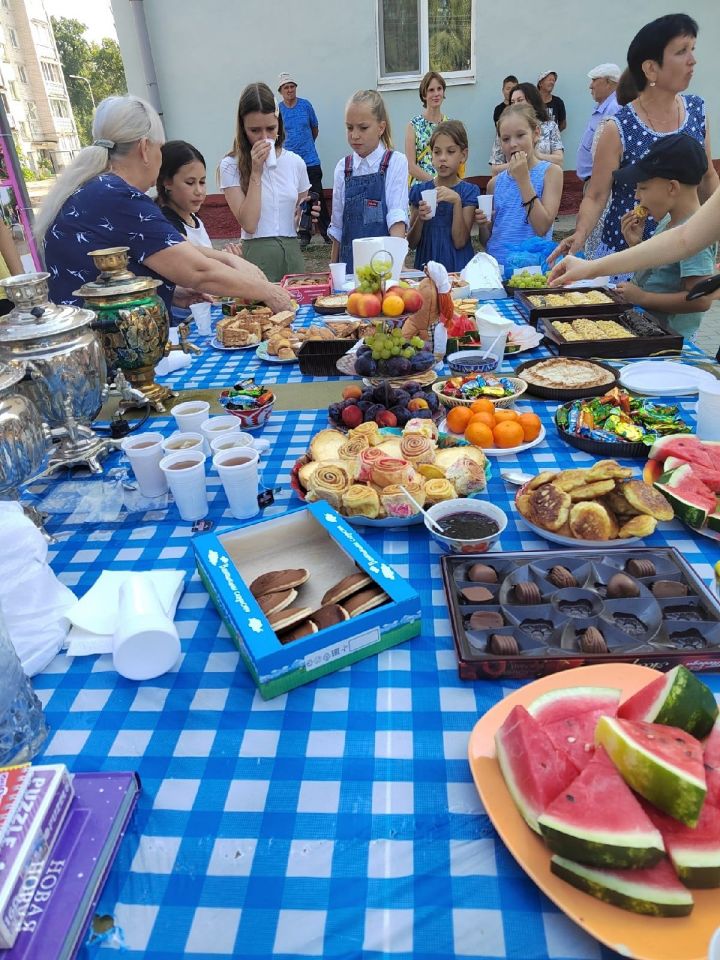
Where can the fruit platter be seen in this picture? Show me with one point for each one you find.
(464, 391)
(687, 472)
(497, 432)
(361, 473)
(662, 911)
(617, 424)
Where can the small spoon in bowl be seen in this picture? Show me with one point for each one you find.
(516, 476)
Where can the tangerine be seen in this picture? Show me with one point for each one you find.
(479, 434)
(531, 424)
(501, 415)
(508, 433)
(392, 305)
(458, 418)
(483, 417)
(482, 405)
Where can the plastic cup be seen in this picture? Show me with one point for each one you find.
(238, 471)
(231, 441)
(145, 451)
(185, 472)
(190, 414)
(146, 642)
(708, 411)
(183, 441)
(430, 197)
(338, 272)
(485, 203)
(215, 427)
(271, 159)
(714, 947)
(202, 317)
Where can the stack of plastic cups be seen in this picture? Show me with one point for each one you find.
(145, 451)
(202, 317)
(146, 642)
(185, 472)
(338, 274)
(238, 469)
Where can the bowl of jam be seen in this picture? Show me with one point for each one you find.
(468, 525)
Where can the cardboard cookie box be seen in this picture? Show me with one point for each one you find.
(317, 538)
(305, 287)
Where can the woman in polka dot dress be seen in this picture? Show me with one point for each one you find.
(661, 59)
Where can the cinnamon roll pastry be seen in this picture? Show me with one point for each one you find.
(397, 504)
(353, 447)
(389, 470)
(416, 448)
(420, 425)
(438, 490)
(329, 483)
(361, 500)
(366, 461)
(370, 430)
(466, 476)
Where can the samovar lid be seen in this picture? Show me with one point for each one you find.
(114, 281)
(33, 315)
(11, 373)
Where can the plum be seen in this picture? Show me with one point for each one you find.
(398, 366)
(365, 366)
(364, 404)
(401, 397)
(432, 400)
(402, 414)
(412, 386)
(335, 412)
(422, 361)
(424, 414)
(372, 411)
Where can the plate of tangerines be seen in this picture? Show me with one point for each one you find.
(499, 433)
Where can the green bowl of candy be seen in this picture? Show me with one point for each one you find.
(251, 403)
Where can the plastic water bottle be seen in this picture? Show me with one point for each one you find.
(22, 725)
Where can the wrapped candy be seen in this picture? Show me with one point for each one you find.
(618, 417)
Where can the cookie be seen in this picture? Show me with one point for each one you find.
(282, 619)
(364, 600)
(329, 615)
(272, 602)
(561, 577)
(527, 592)
(346, 587)
(303, 629)
(276, 580)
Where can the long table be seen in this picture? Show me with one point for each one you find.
(338, 820)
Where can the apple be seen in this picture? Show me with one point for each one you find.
(364, 304)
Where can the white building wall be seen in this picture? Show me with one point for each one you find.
(205, 54)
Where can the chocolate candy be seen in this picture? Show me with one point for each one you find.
(482, 573)
(593, 641)
(640, 567)
(561, 577)
(477, 594)
(668, 588)
(503, 645)
(527, 592)
(486, 620)
(620, 585)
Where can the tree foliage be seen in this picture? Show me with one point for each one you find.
(99, 63)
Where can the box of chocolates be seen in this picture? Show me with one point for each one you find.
(528, 614)
(302, 594)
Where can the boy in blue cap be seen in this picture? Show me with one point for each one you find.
(666, 181)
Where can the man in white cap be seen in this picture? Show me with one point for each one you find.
(301, 130)
(603, 83)
(554, 105)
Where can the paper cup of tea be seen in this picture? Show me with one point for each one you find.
(185, 472)
(338, 272)
(430, 197)
(215, 427)
(145, 451)
(190, 414)
(485, 203)
(146, 642)
(238, 469)
(202, 316)
(183, 441)
(271, 159)
(231, 441)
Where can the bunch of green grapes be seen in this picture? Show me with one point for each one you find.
(368, 280)
(391, 343)
(524, 279)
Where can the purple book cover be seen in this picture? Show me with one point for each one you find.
(76, 869)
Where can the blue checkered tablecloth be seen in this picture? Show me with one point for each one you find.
(338, 820)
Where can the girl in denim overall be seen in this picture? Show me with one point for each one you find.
(362, 200)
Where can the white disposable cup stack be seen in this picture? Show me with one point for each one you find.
(195, 441)
(187, 484)
(338, 274)
(240, 480)
(231, 441)
(485, 203)
(708, 411)
(190, 414)
(146, 642)
(202, 316)
(271, 159)
(430, 197)
(144, 451)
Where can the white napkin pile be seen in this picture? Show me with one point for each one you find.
(93, 618)
(176, 360)
(482, 273)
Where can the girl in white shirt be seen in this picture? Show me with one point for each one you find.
(264, 196)
(370, 188)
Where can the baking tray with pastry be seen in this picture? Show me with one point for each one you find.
(566, 378)
(568, 301)
(525, 614)
(627, 334)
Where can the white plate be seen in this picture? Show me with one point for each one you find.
(262, 354)
(499, 451)
(572, 542)
(216, 345)
(526, 337)
(663, 378)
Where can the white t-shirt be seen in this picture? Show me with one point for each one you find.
(280, 188)
(198, 235)
(396, 187)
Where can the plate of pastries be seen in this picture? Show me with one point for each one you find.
(249, 327)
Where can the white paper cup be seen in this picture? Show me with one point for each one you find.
(708, 411)
(146, 642)
(271, 159)
(485, 203)
(215, 427)
(202, 317)
(430, 197)
(185, 472)
(190, 414)
(145, 451)
(338, 272)
(231, 441)
(714, 947)
(238, 471)
(495, 343)
(183, 441)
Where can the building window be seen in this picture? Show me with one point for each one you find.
(60, 108)
(21, 73)
(24, 130)
(3, 51)
(14, 91)
(13, 37)
(415, 36)
(50, 71)
(42, 33)
(31, 108)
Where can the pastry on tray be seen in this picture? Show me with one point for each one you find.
(565, 373)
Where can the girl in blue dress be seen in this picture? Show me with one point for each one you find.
(444, 237)
(526, 196)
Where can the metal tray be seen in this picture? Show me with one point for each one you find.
(533, 313)
(635, 346)
(573, 393)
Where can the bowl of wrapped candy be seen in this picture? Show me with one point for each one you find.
(464, 391)
(250, 402)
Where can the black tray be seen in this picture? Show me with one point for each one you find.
(635, 346)
(574, 393)
(532, 313)
(671, 634)
(318, 358)
(603, 448)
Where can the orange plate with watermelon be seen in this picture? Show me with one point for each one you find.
(630, 934)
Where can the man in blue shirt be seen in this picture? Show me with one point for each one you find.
(603, 81)
(301, 130)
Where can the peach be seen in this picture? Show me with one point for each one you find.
(351, 392)
(364, 304)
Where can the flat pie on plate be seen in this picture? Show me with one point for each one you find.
(567, 373)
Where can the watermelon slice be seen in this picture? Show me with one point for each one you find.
(597, 820)
(576, 736)
(663, 764)
(677, 699)
(684, 446)
(569, 718)
(655, 890)
(535, 771)
(693, 851)
(711, 759)
(691, 500)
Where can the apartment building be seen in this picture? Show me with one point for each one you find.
(32, 86)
